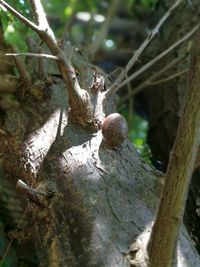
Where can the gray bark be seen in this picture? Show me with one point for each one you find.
(95, 204)
(96, 201)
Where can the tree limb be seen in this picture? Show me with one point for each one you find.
(163, 242)
(161, 55)
(169, 78)
(41, 67)
(115, 86)
(147, 82)
(21, 68)
(77, 96)
(41, 55)
(150, 81)
(41, 19)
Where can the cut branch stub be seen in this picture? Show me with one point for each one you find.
(40, 195)
(29, 192)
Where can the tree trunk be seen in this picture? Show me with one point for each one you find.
(94, 201)
(91, 204)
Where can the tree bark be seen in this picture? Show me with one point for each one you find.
(95, 205)
(179, 172)
(96, 201)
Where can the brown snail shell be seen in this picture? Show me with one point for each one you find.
(114, 129)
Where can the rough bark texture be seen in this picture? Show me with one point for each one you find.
(94, 202)
(179, 172)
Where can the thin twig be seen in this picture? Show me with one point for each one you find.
(161, 55)
(21, 68)
(147, 82)
(41, 67)
(32, 55)
(171, 77)
(64, 35)
(94, 47)
(138, 52)
(11, 240)
(19, 15)
(66, 30)
(130, 106)
(6, 252)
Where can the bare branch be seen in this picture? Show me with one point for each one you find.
(67, 71)
(77, 96)
(115, 86)
(148, 82)
(64, 35)
(41, 67)
(130, 106)
(94, 47)
(19, 15)
(6, 251)
(171, 77)
(41, 19)
(66, 30)
(32, 55)
(12, 239)
(21, 68)
(161, 55)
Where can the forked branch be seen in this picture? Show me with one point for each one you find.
(152, 62)
(161, 55)
(149, 81)
(76, 94)
(115, 86)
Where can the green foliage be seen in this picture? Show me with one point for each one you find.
(138, 127)
(148, 3)
(64, 9)
(15, 30)
(59, 12)
(138, 131)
